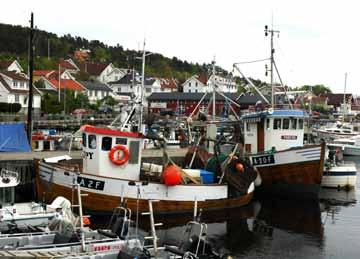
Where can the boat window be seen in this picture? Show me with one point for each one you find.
(267, 123)
(277, 123)
(286, 123)
(84, 139)
(121, 141)
(293, 124)
(106, 143)
(346, 131)
(337, 131)
(92, 141)
(301, 123)
(134, 150)
(247, 126)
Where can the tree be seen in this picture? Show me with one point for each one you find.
(101, 54)
(316, 89)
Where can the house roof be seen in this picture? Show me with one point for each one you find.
(4, 64)
(170, 83)
(93, 68)
(126, 80)
(336, 99)
(15, 76)
(202, 78)
(68, 84)
(178, 96)
(18, 91)
(95, 85)
(67, 65)
(250, 99)
(42, 72)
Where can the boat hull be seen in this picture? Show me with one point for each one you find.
(341, 177)
(295, 173)
(58, 183)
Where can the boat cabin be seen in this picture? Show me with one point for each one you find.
(273, 129)
(111, 153)
(8, 181)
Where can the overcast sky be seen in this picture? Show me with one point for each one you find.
(318, 42)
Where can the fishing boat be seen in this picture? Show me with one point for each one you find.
(273, 141)
(349, 146)
(110, 173)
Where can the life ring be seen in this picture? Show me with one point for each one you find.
(125, 155)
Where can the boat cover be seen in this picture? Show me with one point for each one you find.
(13, 138)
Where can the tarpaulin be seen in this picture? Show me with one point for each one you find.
(13, 138)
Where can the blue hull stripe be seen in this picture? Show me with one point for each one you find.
(339, 173)
(307, 151)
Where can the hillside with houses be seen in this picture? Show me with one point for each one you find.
(74, 73)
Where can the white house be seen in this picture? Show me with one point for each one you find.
(222, 84)
(128, 84)
(14, 88)
(102, 72)
(196, 84)
(8, 65)
(96, 90)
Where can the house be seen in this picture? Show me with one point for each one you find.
(96, 90)
(69, 65)
(151, 85)
(185, 103)
(335, 101)
(11, 65)
(128, 84)
(168, 85)
(196, 84)
(249, 101)
(102, 72)
(14, 88)
(51, 82)
(223, 84)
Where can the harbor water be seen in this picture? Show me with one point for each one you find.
(273, 228)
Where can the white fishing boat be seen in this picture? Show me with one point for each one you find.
(349, 146)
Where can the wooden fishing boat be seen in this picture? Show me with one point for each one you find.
(273, 140)
(111, 174)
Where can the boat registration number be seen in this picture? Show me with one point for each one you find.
(263, 160)
(91, 183)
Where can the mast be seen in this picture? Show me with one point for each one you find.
(142, 87)
(213, 83)
(272, 51)
(31, 68)
(344, 105)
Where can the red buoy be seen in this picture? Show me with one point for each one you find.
(239, 167)
(172, 175)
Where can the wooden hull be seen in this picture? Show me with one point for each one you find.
(294, 172)
(58, 184)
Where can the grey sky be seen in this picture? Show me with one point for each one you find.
(318, 41)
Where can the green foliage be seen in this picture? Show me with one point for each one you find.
(318, 107)
(10, 107)
(82, 76)
(316, 89)
(109, 100)
(101, 54)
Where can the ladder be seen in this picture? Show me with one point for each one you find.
(76, 187)
(153, 235)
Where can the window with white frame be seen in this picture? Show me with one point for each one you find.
(17, 98)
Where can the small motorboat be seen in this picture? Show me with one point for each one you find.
(338, 173)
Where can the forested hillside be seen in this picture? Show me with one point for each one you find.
(14, 44)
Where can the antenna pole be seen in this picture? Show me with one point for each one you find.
(31, 68)
(272, 51)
